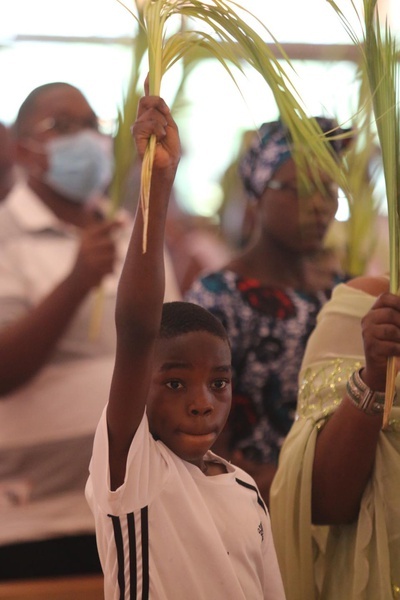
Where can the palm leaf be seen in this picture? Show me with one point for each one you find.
(381, 57)
(361, 237)
(233, 42)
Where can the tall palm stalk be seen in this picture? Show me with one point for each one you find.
(380, 58)
(382, 67)
(361, 173)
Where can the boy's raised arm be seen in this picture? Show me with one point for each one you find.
(141, 288)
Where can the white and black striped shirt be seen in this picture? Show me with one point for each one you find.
(172, 533)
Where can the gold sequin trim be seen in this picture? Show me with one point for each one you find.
(323, 387)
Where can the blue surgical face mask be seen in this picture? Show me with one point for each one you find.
(80, 164)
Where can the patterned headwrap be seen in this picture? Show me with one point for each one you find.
(271, 147)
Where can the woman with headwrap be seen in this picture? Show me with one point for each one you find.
(268, 299)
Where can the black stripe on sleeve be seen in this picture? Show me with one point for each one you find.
(252, 487)
(132, 556)
(145, 553)
(120, 555)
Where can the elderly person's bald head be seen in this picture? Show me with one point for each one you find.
(7, 157)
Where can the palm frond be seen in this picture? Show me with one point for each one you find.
(382, 61)
(380, 58)
(233, 42)
(361, 175)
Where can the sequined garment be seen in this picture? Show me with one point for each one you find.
(357, 561)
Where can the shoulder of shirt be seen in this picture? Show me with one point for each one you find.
(232, 468)
(370, 285)
(26, 213)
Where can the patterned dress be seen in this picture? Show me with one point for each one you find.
(268, 328)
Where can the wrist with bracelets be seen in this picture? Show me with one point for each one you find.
(365, 399)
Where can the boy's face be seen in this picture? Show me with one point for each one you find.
(190, 395)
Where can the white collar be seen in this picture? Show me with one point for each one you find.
(30, 212)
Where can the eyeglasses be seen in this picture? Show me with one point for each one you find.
(328, 190)
(66, 125)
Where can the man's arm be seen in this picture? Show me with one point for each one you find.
(141, 288)
(27, 343)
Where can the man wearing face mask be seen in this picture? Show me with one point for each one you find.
(56, 248)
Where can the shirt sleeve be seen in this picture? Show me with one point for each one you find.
(146, 471)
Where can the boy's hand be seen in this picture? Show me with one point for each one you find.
(154, 118)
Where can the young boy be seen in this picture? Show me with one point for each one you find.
(173, 520)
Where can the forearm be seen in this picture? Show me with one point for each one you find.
(25, 345)
(138, 316)
(344, 458)
(142, 283)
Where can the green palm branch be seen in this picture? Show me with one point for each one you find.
(233, 42)
(380, 60)
(364, 204)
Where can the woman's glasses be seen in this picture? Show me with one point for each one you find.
(328, 190)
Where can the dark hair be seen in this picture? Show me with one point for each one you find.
(185, 317)
(28, 106)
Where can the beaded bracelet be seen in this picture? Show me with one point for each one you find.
(365, 399)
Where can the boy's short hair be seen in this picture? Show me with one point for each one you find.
(180, 317)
